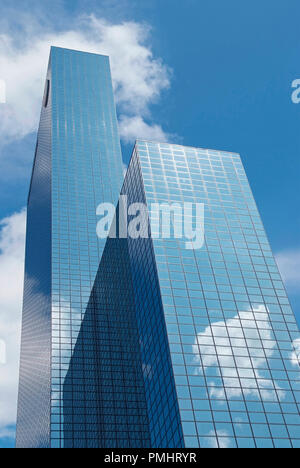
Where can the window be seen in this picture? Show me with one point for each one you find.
(47, 90)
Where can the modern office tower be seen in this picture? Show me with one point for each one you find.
(77, 166)
(221, 310)
(218, 340)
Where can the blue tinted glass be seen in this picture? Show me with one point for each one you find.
(78, 165)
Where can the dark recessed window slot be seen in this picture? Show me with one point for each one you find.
(47, 93)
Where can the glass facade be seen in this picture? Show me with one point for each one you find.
(232, 336)
(78, 165)
(33, 421)
(104, 396)
(162, 404)
(130, 343)
(211, 329)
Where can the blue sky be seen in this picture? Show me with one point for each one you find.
(229, 67)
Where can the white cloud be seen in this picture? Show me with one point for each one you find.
(12, 247)
(138, 77)
(135, 127)
(289, 266)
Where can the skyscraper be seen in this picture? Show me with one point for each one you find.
(152, 339)
(221, 311)
(77, 166)
(191, 347)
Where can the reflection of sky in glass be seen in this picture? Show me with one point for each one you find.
(160, 391)
(86, 171)
(233, 337)
(33, 419)
(236, 366)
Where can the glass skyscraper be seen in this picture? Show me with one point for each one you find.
(77, 166)
(143, 342)
(220, 343)
(191, 348)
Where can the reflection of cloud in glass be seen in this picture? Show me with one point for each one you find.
(68, 341)
(223, 440)
(295, 354)
(34, 377)
(239, 370)
(147, 371)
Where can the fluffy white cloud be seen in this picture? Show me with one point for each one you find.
(138, 77)
(289, 265)
(12, 247)
(135, 127)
